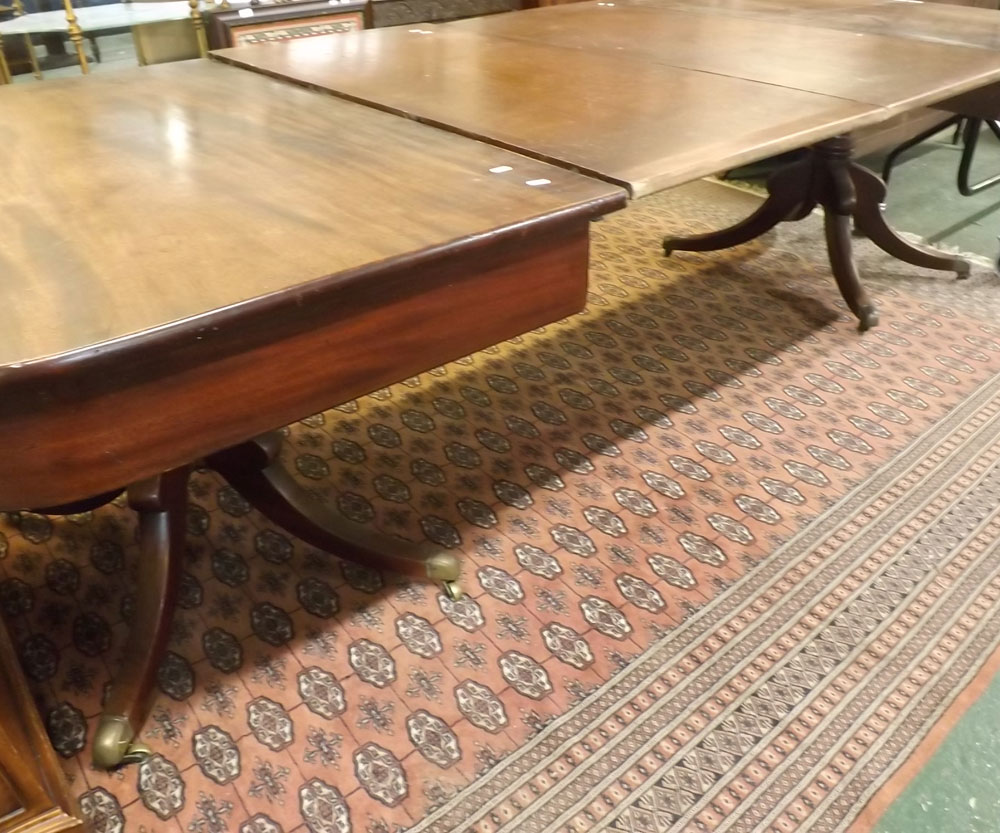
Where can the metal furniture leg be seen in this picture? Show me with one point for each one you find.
(896, 152)
(973, 127)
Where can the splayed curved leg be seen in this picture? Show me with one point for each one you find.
(871, 222)
(253, 469)
(839, 203)
(161, 503)
(838, 241)
(920, 138)
(788, 199)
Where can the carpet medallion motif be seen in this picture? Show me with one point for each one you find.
(727, 562)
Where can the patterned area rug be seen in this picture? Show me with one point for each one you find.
(728, 563)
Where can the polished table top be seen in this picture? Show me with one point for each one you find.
(638, 93)
(882, 69)
(142, 200)
(931, 22)
(194, 256)
(787, 9)
(645, 125)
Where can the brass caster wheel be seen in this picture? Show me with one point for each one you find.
(136, 754)
(113, 744)
(452, 590)
(443, 566)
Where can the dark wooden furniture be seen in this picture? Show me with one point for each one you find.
(282, 21)
(166, 306)
(650, 93)
(896, 72)
(127, 357)
(403, 12)
(846, 191)
(34, 797)
(642, 124)
(931, 19)
(933, 22)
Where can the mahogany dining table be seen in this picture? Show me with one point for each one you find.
(195, 254)
(182, 278)
(649, 94)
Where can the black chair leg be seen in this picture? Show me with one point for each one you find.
(890, 160)
(973, 127)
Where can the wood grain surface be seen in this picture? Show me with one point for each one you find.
(866, 63)
(139, 200)
(634, 122)
(195, 255)
(786, 9)
(933, 22)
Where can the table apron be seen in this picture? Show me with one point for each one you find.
(87, 430)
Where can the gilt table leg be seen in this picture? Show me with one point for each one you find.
(4, 68)
(253, 469)
(161, 504)
(870, 221)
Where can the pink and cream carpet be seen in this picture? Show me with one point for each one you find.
(728, 562)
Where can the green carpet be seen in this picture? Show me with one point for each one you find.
(957, 789)
(923, 198)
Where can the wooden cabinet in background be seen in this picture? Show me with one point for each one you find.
(33, 794)
(275, 20)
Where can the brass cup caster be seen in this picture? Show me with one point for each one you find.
(445, 568)
(114, 746)
(452, 590)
